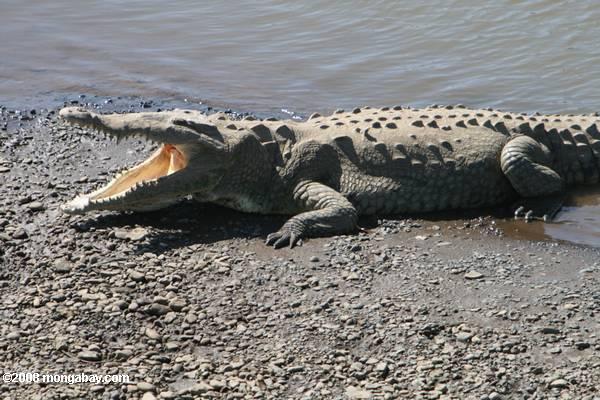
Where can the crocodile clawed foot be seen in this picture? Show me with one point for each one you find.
(528, 215)
(282, 238)
(539, 209)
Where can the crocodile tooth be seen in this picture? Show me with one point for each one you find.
(391, 125)
(376, 125)
(473, 121)
(447, 127)
(461, 124)
(418, 124)
(231, 126)
(249, 118)
(339, 111)
(314, 115)
(433, 124)
(397, 108)
(356, 110)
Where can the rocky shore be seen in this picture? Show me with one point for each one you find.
(189, 302)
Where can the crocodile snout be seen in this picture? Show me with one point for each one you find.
(75, 114)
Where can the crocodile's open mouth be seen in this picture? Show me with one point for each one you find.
(141, 187)
(165, 161)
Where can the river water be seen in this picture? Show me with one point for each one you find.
(306, 56)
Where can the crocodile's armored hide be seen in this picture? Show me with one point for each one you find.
(329, 169)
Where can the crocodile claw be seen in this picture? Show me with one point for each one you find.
(282, 238)
(528, 215)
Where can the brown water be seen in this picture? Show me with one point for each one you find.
(269, 55)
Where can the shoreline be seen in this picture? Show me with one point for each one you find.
(191, 303)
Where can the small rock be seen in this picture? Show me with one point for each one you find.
(14, 335)
(353, 276)
(145, 386)
(199, 388)
(464, 336)
(148, 396)
(20, 234)
(136, 276)
(295, 368)
(152, 334)
(473, 275)
(35, 206)
(355, 393)
(133, 235)
(177, 304)
(157, 309)
(559, 383)
(89, 355)
(217, 384)
(548, 330)
(582, 345)
(62, 266)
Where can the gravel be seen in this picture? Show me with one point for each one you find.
(190, 303)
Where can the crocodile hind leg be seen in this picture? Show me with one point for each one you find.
(328, 213)
(526, 163)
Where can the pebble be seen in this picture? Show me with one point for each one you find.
(145, 386)
(149, 396)
(136, 276)
(152, 334)
(89, 355)
(355, 393)
(35, 206)
(548, 330)
(135, 234)
(62, 266)
(473, 275)
(559, 383)
(158, 309)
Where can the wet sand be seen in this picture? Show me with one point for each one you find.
(190, 303)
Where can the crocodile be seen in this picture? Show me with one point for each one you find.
(329, 169)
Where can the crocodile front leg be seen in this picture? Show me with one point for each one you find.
(328, 213)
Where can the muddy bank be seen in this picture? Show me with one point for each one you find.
(189, 302)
